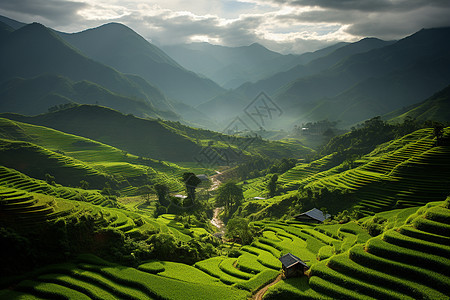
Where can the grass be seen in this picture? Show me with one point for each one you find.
(153, 267)
(259, 280)
(293, 288)
(50, 290)
(405, 262)
(211, 267)
(390, 281)
(264, 257)
(227, 266)
(167, 288)
(351, 283)
(89, 289)
(248, 262)
(186, 273)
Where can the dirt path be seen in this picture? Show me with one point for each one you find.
(215, 181)
(218, 222)
(260, 294)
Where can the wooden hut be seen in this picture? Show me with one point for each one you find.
(312, 216)
(292, 265)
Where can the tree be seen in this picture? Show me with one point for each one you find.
(228, 195)
(50, 179)
(162, 192)
(238, 230)
(272, 186)
(438, 130)
(84, 184)
(191, 182)
(146, 190)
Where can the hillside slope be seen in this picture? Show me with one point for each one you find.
(404, 172)
(50, 54)
(37, 151)
(409, 260)
(120, 47)
(436, 108)
(233, 102)
(156, 138)
(377, 81)
(38, 94)
(233, 66)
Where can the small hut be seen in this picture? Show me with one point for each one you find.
(312, 216)
(292, 265)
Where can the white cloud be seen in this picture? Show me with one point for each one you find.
(281, 25)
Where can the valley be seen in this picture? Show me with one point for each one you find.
(132, 171)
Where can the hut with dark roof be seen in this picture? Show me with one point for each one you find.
(292, 265)
(312, 216)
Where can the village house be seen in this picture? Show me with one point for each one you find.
(312, 216)
(292, 265)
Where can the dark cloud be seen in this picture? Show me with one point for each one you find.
(56, 11)
(394, 26)
(285, 26)
(367, 5)
(174, 29)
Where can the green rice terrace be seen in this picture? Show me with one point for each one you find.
(346, 263)
(405, 172)
(85, 220)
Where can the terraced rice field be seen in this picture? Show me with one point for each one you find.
(89, 158)
(406, 172)
(14, 179)
(101, 280)
(406, 262)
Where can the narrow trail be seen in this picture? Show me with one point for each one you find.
(215, 181)
(218, 222)
(260, 294)
(215, 221)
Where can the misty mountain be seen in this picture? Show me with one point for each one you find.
(35, 95)
(271, 84)
(233, 66)
(374, 82)
(233, 102)
(436, 108)
(34, 50)
(120, 47)
(11, 23)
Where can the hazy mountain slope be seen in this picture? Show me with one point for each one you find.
(12, 23)
(234, 102)
(5, 30)
(35, 95)
(406, 69)
(271, 84)
(149, 138)
(153, 138)
(38, 150)
(377, 96)
(34, 50)
(120, 47)
(436, 107)
(233, 66)
(225, 106)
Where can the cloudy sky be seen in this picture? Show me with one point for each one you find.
(287, 26)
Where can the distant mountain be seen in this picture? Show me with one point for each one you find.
(12, 23)
(36, 95)
(120, 47)
(233, 66)
(232, 103)
(5, 30)
(34, 50)
(374, 82)
(271, 84)
(154, 138)
(436, 108)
